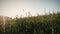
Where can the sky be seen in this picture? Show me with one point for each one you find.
(12, 8)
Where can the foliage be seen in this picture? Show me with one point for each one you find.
(46, 24)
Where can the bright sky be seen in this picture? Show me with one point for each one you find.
(12, 8)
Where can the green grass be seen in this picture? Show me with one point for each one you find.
(46, 24)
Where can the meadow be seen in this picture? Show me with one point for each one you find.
(45, 24)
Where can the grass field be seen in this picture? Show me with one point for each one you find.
(46, 24)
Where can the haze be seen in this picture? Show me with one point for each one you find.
(12, 8)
